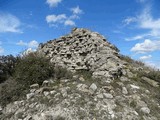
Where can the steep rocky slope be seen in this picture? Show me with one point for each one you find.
(115, 91)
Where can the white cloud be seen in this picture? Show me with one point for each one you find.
(145, 21)
(29, 50)
(145, 57)
(9, 23)
(69, 23)
(74, 16)
(55, 18)
(31, 44)
(1, 50)
(76, 10)
(53, 3)
(146, 46)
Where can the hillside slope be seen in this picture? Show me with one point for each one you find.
(105, 84)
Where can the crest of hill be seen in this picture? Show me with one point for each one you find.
(83, 49)
(127, 89)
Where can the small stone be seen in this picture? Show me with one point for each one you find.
(108, 96)
(82, 87)
(30, 95)
(1, 110)
(123, 79)
(93, 87)
(100, 96)
(145, 110)
(147, 91)
(64, 92)
(124, 90)
(32, 90)
(34, 86)
(28, 118)
(82, 79)
(57, 95)
(135, 87)
(52, 92)
(45, 83)
(46, 93)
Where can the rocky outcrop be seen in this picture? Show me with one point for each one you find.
(130, 96)
(83, 49)
(84, 100)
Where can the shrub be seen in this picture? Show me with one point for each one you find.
(85, 73)
(131, 61)
(29, 69)
(154, 75)
(7, 65)
(60, 72)
(33, 68)
(10, 91)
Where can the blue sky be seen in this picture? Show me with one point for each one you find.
(132, 25)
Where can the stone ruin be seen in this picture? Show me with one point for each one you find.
(83, 49)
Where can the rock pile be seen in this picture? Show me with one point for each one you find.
(83, 49)
(77, 100)
(129, 97)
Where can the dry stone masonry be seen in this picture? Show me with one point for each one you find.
(83, 49)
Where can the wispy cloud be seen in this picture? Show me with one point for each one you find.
(137, 37)
(31, 44)
(145, 21)
(9, 23)
(146, 57)
(129, 20)
(53, 3)
(146, 46)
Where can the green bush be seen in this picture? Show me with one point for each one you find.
(60, 72)
(33, 68)
(10, 91)
(85, 73)
(29, 69)
(154, 75)
(131, 61)
(7, 65)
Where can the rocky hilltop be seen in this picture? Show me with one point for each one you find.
(85, 50)
(115, 89)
